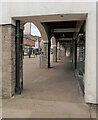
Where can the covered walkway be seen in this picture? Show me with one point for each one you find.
(57, 83)
(48, 93)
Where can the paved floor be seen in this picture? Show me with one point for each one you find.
(48, 93)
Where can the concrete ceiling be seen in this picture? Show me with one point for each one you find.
(65, 30)
(61, 21)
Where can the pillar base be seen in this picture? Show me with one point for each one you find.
(18, 91)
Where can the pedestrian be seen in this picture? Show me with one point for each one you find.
(36, 53)
(30, 52)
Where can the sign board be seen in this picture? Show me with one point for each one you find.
(36, 44)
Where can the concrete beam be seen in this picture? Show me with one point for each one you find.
(64, 39)
(78, 27)
(60, 30)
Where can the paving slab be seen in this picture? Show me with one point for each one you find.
(48, 93)
(40, 108)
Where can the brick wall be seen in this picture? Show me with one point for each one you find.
(8, 60)
(45, 54)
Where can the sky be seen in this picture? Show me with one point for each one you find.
(35, 31)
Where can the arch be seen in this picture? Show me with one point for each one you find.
(40, 28)
(33, 27)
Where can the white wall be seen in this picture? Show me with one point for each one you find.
(12, 9)
(97, 50)
(90, 68)
(51, 12)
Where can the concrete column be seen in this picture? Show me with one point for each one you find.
(74, 53)
(8, 60)
(54, 53)
(45, 54)
(54, 49)
(67, 51)
(71, 52)
(58, 50)
(62, 50)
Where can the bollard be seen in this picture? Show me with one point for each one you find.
(41, 60)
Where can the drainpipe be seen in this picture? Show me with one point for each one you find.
(18, 90)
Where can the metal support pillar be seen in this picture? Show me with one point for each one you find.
(18, 90)
(65, 51)
(60, 50)
(75, 53)
(56, 50)
(22, 59)
(72, 50)
(49, 46)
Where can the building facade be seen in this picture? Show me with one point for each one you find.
(12, 13)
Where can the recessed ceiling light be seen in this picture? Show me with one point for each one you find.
(63, 35)
(62, 16)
